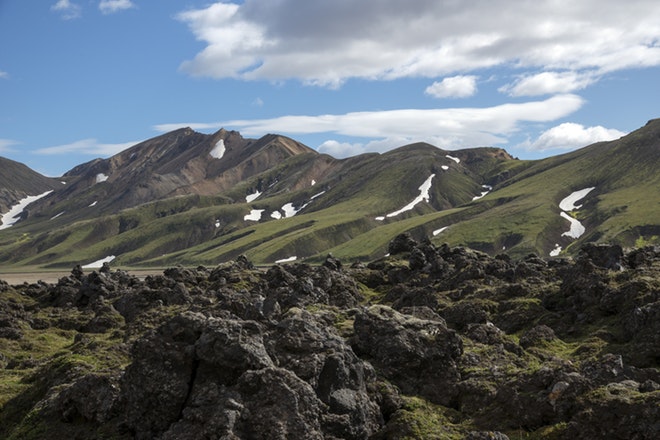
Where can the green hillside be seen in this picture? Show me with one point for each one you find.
(345, 211)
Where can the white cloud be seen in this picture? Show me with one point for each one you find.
(461, 86)
(340, 149)
(326, 43)
(4, 75)
(569, 136)
(194, 125)
(6, 144)
(447, 128)
(547, 83)
(67, 9)
(112, 6)
(86, 146)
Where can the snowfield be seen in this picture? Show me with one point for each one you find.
(423, 196)
(568, 203)
(556, 251)
(14, 214)
(57, 215)
(437, 231)
(488, 189)
(576, 230)
(99, 263)
(286, 260)
(252, 197)
(254, 215)
(455, 159)
(289, 210)
(219, 150)
(100, 177)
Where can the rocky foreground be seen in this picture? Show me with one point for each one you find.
(426, 343)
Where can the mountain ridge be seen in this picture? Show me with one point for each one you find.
(190, 197)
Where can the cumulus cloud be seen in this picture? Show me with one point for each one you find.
(461, 86)
(112, 6)
(340, 149)
(88, 146)
(67, 9)
(569, 136)
(446, 128)
(326, 43)
(547, 83)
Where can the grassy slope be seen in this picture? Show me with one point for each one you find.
(520, 216)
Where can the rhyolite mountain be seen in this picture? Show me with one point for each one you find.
(17, 181)
(191, 198)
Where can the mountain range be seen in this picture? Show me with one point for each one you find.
(190, 198)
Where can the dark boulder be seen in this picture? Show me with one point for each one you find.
(604, 255)
(401, 243)
(417, 355)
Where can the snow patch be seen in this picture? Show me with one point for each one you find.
(437, 231)
(555, 252)
(568, 203)
(423, 196)
(488, 189)
(254, 215)
(99, 263)
(286, 260)
(313, 182)
(576, 230)
(455, 159)
(14, 213)
(219, 150)
(444, 167)
(93, 203)
(57, 215)
(100, 177)
(217, 223)
(276, 215)
(289, 210)
(63, 182)
(252, 197)
(317, 195)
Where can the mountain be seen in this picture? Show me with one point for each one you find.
(179, 163)
(18, 181)
(623, 206)
(191, 198)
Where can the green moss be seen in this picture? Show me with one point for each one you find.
(551, 432)
(420, 419)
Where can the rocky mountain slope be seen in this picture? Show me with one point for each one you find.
(429, 342)
(17, 181)
(190, 198)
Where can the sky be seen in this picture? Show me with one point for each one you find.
(81, 79)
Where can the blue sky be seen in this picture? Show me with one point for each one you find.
(81, 79)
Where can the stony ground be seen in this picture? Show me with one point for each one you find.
(430, 342)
